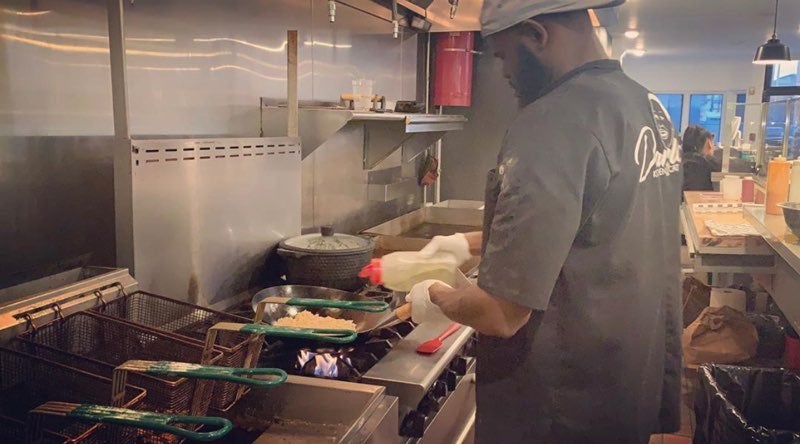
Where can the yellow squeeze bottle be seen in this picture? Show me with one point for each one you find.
(402, 270)
(778, 174)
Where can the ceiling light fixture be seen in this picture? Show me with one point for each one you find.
(773, 51)
(631, 34)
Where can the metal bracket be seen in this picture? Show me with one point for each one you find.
(99, 295)
(59, 313)
(30, 324)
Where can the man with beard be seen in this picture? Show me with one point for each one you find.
(577, 301)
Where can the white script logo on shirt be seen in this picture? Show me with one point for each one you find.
(657, 154)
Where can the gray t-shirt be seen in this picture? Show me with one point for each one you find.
(582, 227)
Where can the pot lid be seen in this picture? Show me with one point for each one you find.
(326, 241)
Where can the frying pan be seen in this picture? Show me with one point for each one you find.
(344, 307)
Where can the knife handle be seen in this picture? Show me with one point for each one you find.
(403, 312)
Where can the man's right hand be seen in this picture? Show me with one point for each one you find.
(458, 245)
(422, 308)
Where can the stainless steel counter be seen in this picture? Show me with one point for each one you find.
(776, 233)
(784, 285)
(712, 254)
(38, 302)
(309, 410)
(407, 374)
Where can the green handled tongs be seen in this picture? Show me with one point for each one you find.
(158, 422)
(317, 297)
(369, 306)
(318, 334)
(195, 371)
(209, 372)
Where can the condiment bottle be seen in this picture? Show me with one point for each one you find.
(402, 270)
(777, 184)
(731, 188)
(749, 190)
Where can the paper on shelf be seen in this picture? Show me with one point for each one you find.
(722, 230)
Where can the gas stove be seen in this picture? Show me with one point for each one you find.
(436, 392)
(348, 362)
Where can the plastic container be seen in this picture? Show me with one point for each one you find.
(402, 270)
(777, 184)
(362, 94)
(731, 188)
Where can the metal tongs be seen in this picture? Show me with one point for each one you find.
(369, 306)
(158, 422)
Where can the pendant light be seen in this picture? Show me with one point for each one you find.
(773, 51)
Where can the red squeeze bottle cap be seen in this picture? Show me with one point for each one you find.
(373, 271)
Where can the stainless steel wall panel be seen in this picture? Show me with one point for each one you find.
(195, 67)
(360, 46)
(468, 155)
(219, 59)
(56, 205)
(340, 185)
(206, 213)
(57, 72)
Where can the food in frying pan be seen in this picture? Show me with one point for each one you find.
(306, 319)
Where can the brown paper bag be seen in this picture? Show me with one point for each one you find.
(720, 335)
(696, 297)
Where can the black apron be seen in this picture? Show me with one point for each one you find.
(490, 203)
(584, 199)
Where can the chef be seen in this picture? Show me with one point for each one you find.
(577, 302)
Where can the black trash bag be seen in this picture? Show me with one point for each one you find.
(771, 335)
(740, 405)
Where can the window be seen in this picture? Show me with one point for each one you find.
(674, 105)
(741, 99)
(786, 74)
(794, 129)
(776, 123)
(706, 110)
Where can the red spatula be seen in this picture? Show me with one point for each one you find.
(432, 346)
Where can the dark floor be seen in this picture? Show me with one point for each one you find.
(684, 436)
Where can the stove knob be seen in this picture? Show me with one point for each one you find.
(451, 379)
(460, 365)
(414, 424)
(440, 389)
(430, 404)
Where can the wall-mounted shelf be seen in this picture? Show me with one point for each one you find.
(383, 132)
(388, 192)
